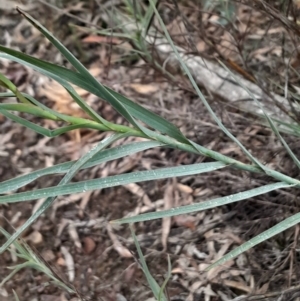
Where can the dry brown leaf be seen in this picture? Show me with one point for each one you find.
(235, 273)
(74, 235)
(258, 53)
(166, 222)
(177, 28)
(102, 39)
(208, 292)
(123, 251)
(144, 89)
(62, 225)
(84, 201)
(192, 251)
(263, 289)
(238, 285)
(69, 261)
(201, 192)
(3, 292)
(184, 188)
(63, 102)
(37, 205)
(138, 210)
(223, 250)
(203, 266)
(15, 218)
(129, 273)
(127, 165)
(186, 221)
(227, 46)
(177, 271)
(214, 272)
(195, 286)
(73, 198)
(138, 190)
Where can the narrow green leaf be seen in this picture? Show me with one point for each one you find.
(151, 281)
(63, 75)
(46, 132)
(16, 295)
(294, 129)
(146, 22)
(112, 181)
(204, 205)
(32, 100)
(28, 108)
(6, 83)
(201, 96)
(20, 249)
(70, 174)
(271, 123)
(161, 295)
(187, 145)
(78, 122)
(75, 63)
(114, 101)
(280, 227)
(103, 156)
(84, 106)
(23, 251)
(11, 274)
(26, 123)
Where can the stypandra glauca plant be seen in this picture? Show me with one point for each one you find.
(143, 123)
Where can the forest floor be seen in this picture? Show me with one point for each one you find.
(106, 266)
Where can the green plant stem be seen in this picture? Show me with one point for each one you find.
(78, 122)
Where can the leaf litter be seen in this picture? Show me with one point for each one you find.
(193, 242)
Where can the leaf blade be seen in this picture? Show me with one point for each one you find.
(280, 227)
(204, 205)
(51, 70)
(112, 181)
(104, 156)
(69, 175)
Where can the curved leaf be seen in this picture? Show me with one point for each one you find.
(63, 75)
